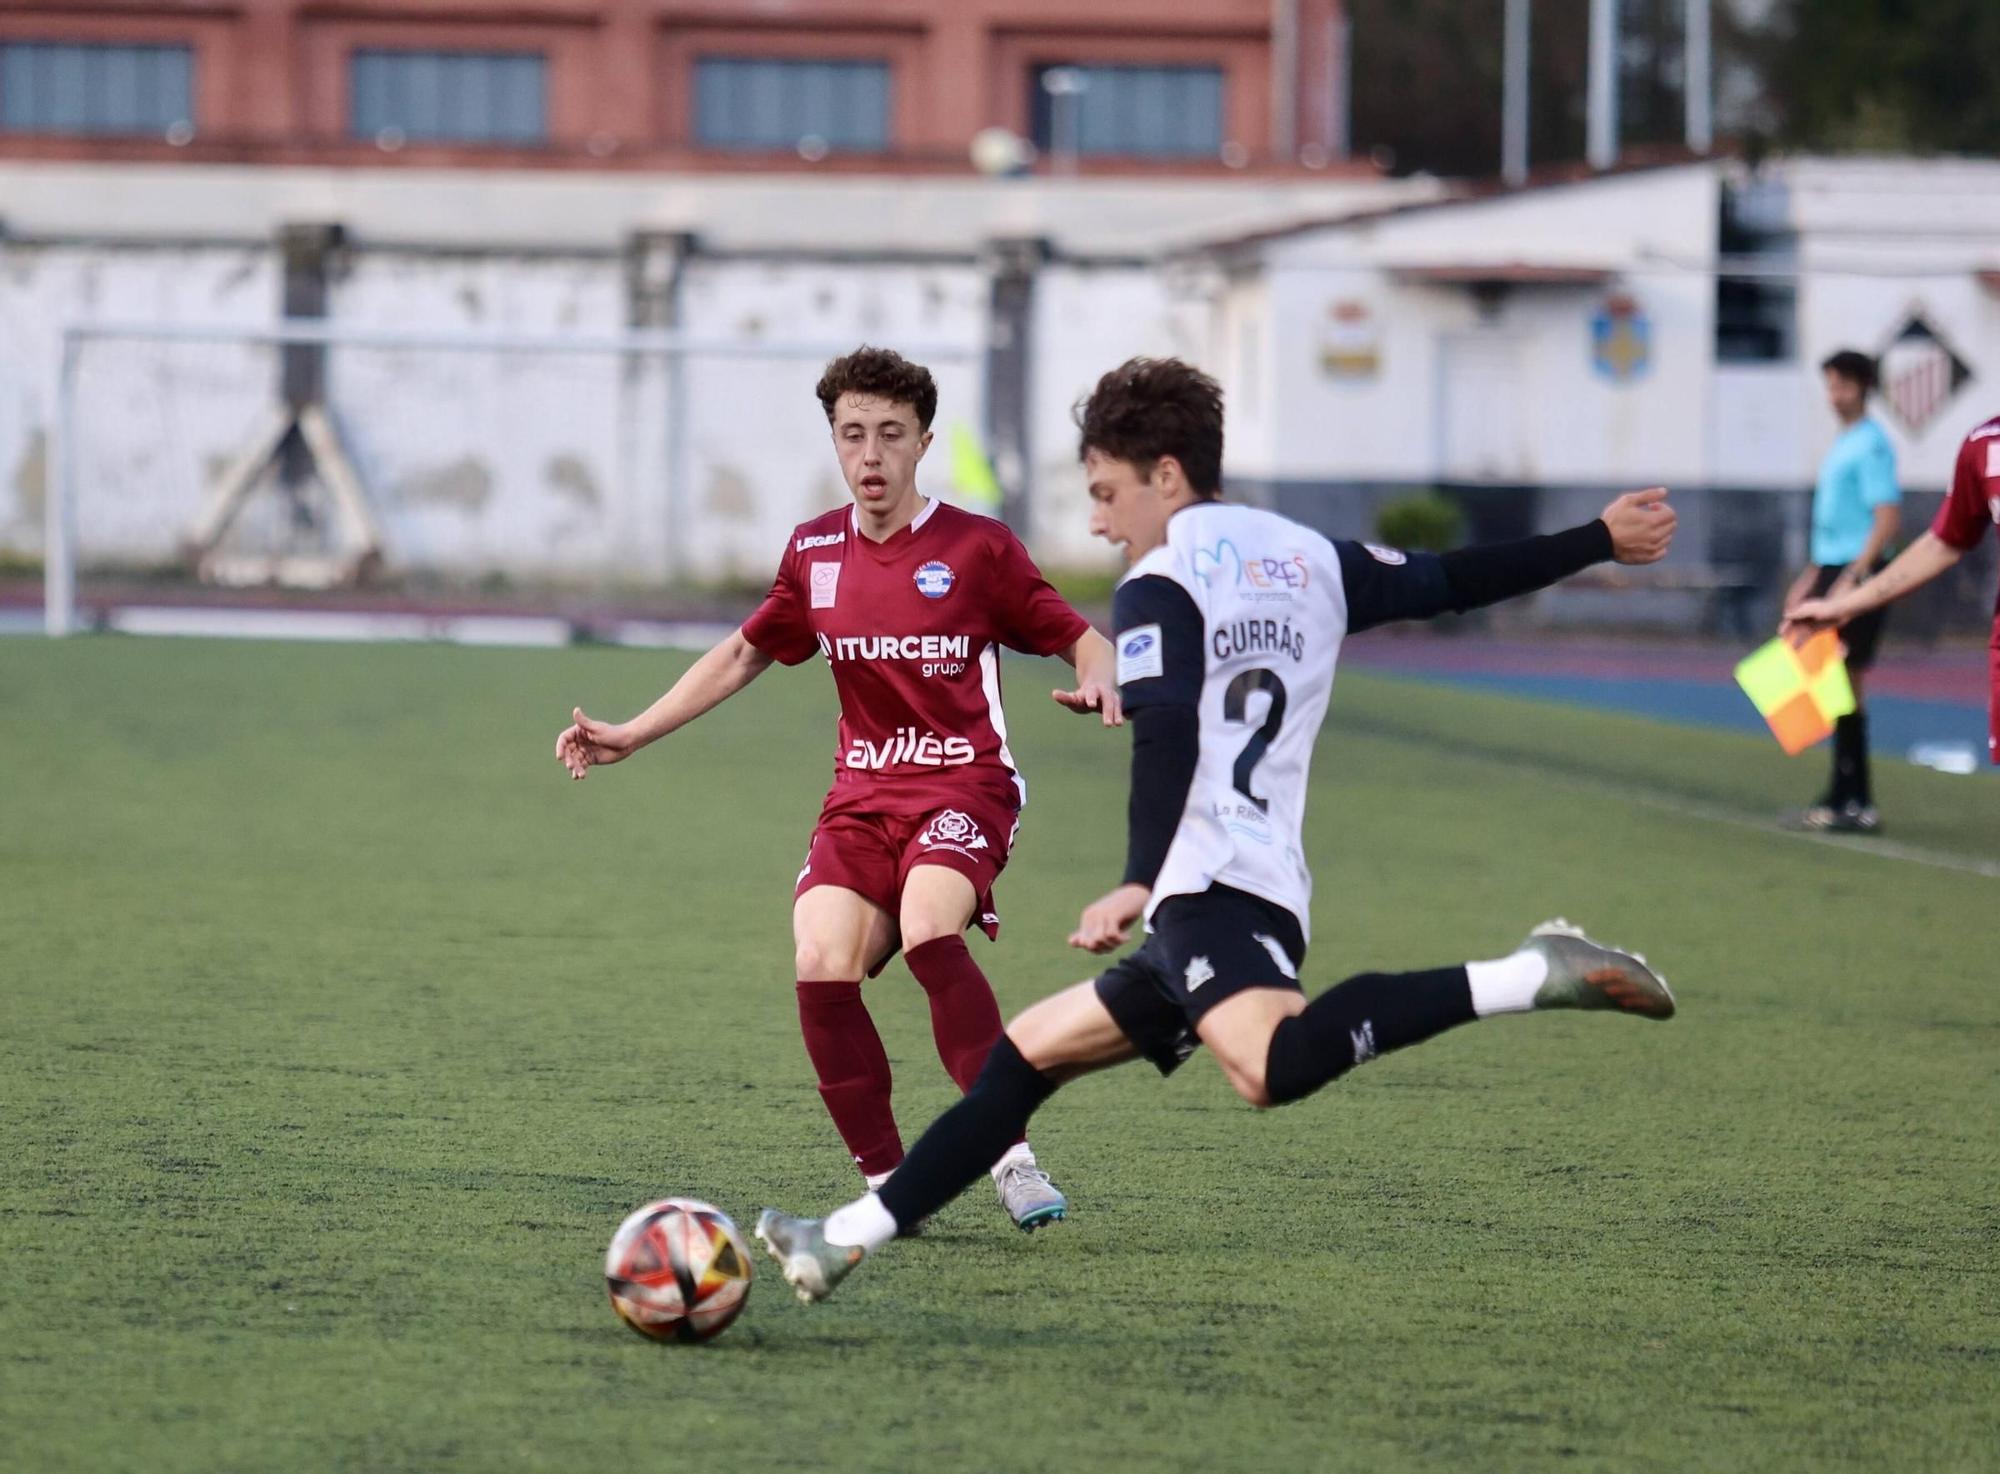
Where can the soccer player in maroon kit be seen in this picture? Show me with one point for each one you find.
(909, 601)
(1971, 506)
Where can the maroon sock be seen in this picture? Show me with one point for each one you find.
(965, 1019)
(853, 1071)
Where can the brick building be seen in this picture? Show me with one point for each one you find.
(846, 85)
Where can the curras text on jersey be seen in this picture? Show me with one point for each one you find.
(1259, 637)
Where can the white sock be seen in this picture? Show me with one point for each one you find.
(1508, 985)
(1020, 1151)
(863, 1222)
(874, 1179)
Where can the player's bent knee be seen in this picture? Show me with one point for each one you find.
(813, 961)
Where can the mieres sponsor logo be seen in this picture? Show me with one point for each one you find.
(1266, 577)
(826, 540)
(909, 745)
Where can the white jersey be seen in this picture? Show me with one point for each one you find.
(1269, 610)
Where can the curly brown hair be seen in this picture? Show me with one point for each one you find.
(1147, 408)
(879, 373)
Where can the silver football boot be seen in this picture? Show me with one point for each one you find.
(1587, 974)
(1029, 1197)
(810, 1264)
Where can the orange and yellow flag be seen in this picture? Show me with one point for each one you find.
(1801, 692)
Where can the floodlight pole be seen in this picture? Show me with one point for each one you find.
(1601, 149)
(1065, 87)
(1700, 74)
(1514, 104)
(59, 507)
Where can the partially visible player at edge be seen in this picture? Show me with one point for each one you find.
(910, 601)
(1970, 507)
(1229, 625)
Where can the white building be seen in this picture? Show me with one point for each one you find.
(1534, 349)
(1529, 350)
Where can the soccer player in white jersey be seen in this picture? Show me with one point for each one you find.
(1229, 625)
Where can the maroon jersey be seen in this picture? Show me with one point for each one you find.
(913, 628)
(1970, 507)
(1973, 503)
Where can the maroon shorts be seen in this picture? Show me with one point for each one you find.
(873, 854)
(1993, 706)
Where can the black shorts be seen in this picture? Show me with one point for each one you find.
(1859, 635)
(1203, 949)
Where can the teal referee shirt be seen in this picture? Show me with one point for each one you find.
(1857, 476)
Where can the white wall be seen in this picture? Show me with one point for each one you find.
(158, 418)
(1575, 425)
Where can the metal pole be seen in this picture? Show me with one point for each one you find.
(1340, 41)
(1065, 86)
(1601, 148)
(1514, 103)
(1700, 79)
(1285, 80)
(58, 506)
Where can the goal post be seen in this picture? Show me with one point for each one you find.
(645, 457)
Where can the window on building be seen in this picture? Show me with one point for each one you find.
(774, 103)
(1757, 312)
(450, 96)
(1164, 112)
(65, 87)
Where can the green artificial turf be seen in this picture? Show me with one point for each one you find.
(339, 1029)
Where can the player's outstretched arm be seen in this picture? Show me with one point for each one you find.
(1919, 563)
(1383, 584)
(1096, 679)
(1641, 525)
(711, 680)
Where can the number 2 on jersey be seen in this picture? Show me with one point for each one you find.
(1236, 708)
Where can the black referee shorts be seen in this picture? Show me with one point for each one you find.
(1203, 948)
(1861, 635)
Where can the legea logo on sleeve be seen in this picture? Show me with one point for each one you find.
(1140, 654)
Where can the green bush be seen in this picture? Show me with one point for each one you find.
(1426, 523)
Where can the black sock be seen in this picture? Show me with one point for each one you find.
(969, 1138)
(1850, 759)
(1352, 1022)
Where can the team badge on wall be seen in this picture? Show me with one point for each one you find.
(1621, 340)
(934, 579)
(1350, 341)
(1920, 373)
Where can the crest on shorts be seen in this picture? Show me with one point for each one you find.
(935, 578)
(951, 830)
(1921, 373)
(1199, 970)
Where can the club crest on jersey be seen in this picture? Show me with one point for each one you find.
(952, 830)
(934, 579)
(825, 583)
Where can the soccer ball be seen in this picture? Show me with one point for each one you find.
(678, 1270)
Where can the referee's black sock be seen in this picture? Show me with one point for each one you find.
(1850, 760)
(1352, 1022)
(965, 1142)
